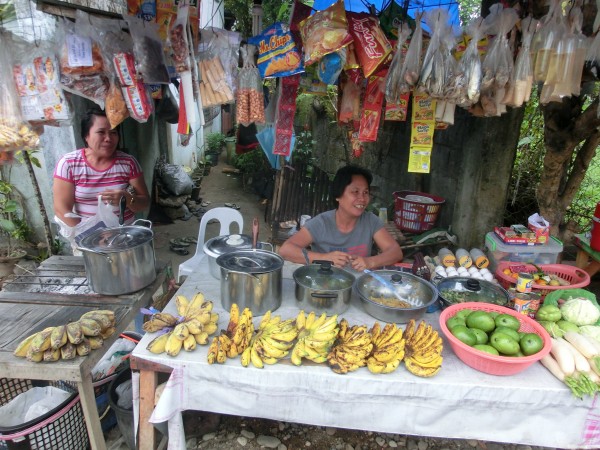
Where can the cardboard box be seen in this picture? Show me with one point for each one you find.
(541, 227)
(510, 236)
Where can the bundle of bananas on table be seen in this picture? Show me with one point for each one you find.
(233, 341)
(315, 337)
(388, 348)
(195, 324)
(423, 349)
(351, 349)
(272, 342)
(68, 341)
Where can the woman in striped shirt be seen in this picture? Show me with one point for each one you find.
(98, 169)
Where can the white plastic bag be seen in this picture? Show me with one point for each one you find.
(31, 404)
(104, 218)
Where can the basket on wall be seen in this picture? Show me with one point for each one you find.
(416, 211)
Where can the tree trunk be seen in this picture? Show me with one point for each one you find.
(571, 136)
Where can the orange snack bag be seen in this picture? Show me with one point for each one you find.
(370, 44)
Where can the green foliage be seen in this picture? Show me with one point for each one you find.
(468, 10)
(214, 142)
(241, 10)
(12, 224)
(276, 11)
(253, 162)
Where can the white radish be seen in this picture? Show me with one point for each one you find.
(581, 343)
(593, 376)
(550, 363)
(581, 364)
(563, 356)
(592, 340)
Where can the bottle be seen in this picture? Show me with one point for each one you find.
(479, 259)
(464, 258)
(446, 257)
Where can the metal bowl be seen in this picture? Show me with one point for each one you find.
(380, 289)
(455, 290)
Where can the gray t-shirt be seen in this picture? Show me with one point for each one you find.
(327, 238)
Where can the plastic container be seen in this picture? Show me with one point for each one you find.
(498, 251)
(578, 278)
(416, 211)
(63, 427)
(492, 364)
(124, 416)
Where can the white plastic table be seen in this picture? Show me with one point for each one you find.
(531, 408)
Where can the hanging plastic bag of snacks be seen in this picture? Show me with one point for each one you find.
(325, 32)
(371, 46)
(521, 81)
(394, 77)
(468, 83)
(250, 107)
(148, 50)
(411, 67)
(277, 52)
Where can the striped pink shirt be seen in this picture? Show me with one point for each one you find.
(90, 182)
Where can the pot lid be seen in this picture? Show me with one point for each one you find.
(466, 289)
(384, 284)
(250, 261)
(116, 239)
(322, 275)
(220, 245)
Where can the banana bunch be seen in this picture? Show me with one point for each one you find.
(423, 349)
(235, 339)
(315, 337)
(68, 341)
(195, 324)
(388, 348)
(159, 321)
(351, 349)
(271, 343)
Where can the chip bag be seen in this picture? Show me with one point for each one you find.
(278, 55)
(371, 46)
(325, 32)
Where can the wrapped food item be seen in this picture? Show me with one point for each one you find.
(278, 55)
(180, 51)
(148, 51)
(116, 108)
(250, 106)
(411, 66)
(553, 26)
(325, 32)
(139, 102)
(81, 66)
(350, 104)
(394, 76)
(15, 134)
(468, 82)
(219, 49)
(371, 46)
(439, 66)
(331, 65)
(372, 107)
(352, 67)
(521, 81)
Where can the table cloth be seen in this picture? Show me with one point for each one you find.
(459, 402)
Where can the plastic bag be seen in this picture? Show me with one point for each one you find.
(331, 65)
(277, 52)
(350, 105)
(370, 43)
(394, 76)
(31, 404)
(411, 67)
(546, 39)
(325, 32)
(150, 60)
(250, 107)
(178, 39)
(220, 50)
(176, 180)
(105, 218)
(521, 81)
(468, 81)
(15, 134)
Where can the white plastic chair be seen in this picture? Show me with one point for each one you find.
(226, 216)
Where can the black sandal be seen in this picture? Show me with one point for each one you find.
(179, 250)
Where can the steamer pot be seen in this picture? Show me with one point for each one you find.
(323, 288)
(252, 279)
(119, 260)
(220, 245)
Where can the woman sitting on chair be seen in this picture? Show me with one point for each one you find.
(345, 235)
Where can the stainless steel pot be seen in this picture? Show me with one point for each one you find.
(320, 287)
(252, 279)
(119, 260)
(220, 245)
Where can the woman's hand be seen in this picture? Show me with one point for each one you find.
(360, 263)
(113, 196)
(339, 259)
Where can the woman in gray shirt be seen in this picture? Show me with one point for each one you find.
(345, 235)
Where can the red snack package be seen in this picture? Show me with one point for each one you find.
(325, 32)
(125, 67)
(373, 103)
(370, 44)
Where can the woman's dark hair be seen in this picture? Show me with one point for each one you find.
(88, 120)
(343, 178)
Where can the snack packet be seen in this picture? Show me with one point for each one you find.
(277, 52)
(371, 46)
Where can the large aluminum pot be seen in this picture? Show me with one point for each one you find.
(119, 260)
(252, 279)
(220, 245)
(320, 287)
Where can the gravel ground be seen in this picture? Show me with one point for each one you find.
(222, 432)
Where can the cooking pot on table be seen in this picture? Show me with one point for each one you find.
(323, 288)
(251, 278)
(220, 245)
(119, 260)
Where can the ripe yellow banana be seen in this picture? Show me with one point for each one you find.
(34, 356)
(318, 322)
(95, 342)
(83, 348)
(108, 333)
(310, 320)
(410, 330)
(375, 332)
(265, 320)
(104, 312)
(58, 338)
(68, 351)
(182, 304)
(301, 320)
(41, 342)
(245, 359)
(189, 343)
(270, 351)
(195, 304)
(104, 321)
(234, 318)
(255, 358)
(173, 345)
(158, 344)
(23, 347)
(421, 371)
(181, 331)
(211, 356)
(210, 328)
(51, 355)
(223, 348)
(201, 338)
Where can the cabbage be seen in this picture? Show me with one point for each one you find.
(580, 311)
(591, 331)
